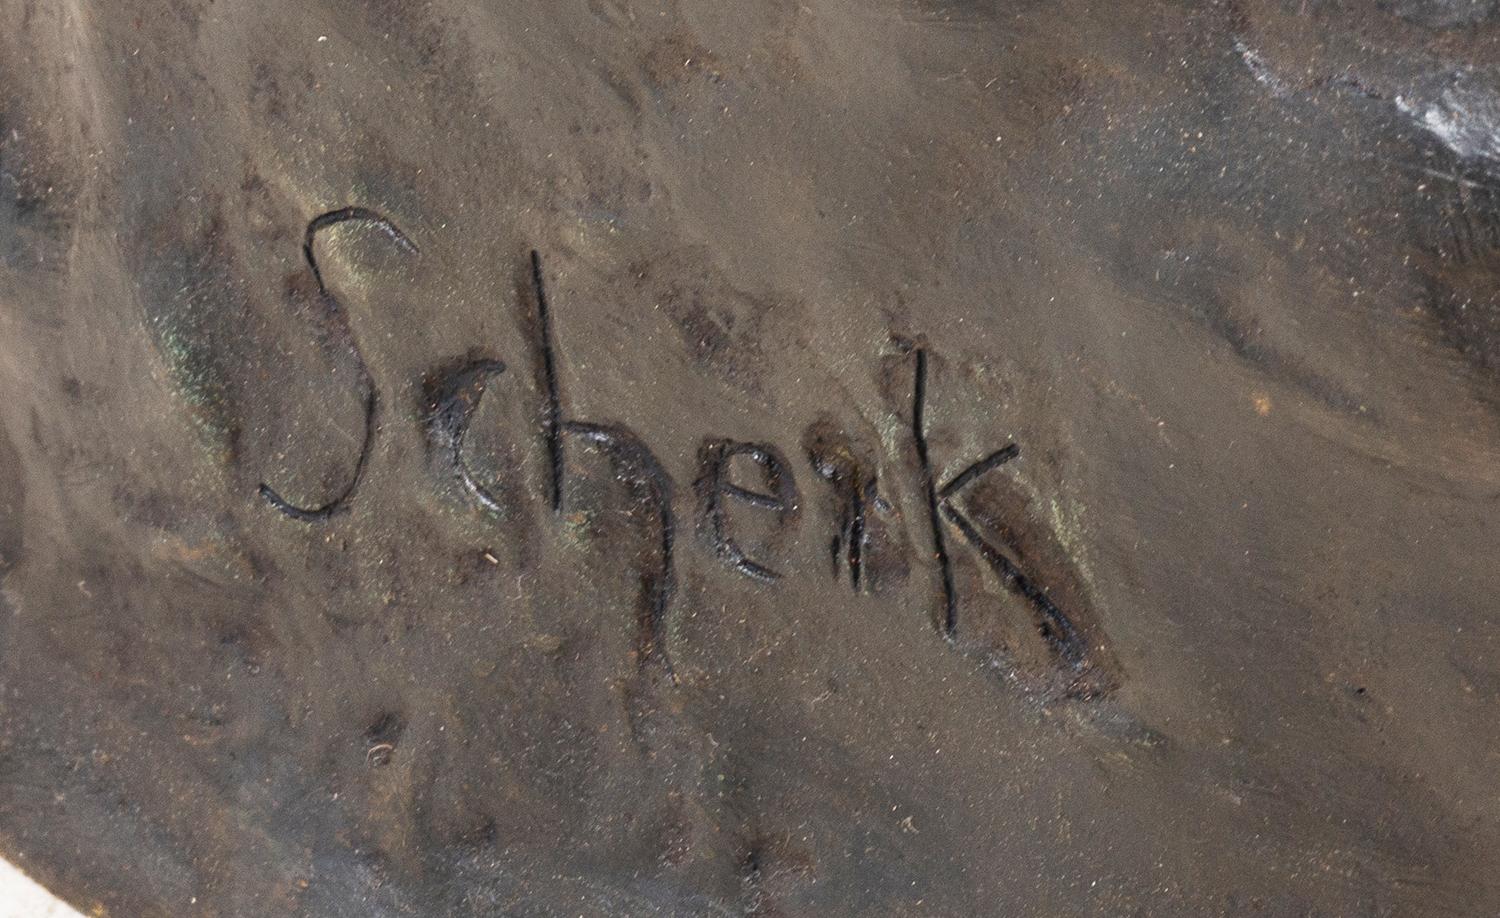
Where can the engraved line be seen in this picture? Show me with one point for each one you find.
(753, 498)
(552, 420)
(853, 494)
(452, 413)
(1055, 627)
(372, 397)
(756, 571)
(632, 456)
(712, 488)
(993, 461)
(929, 487)
(857, 534)
(341, 501)
(347, 215)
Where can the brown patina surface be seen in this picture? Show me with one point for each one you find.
(615, 457)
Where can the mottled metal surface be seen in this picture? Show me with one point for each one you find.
(603, 457)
